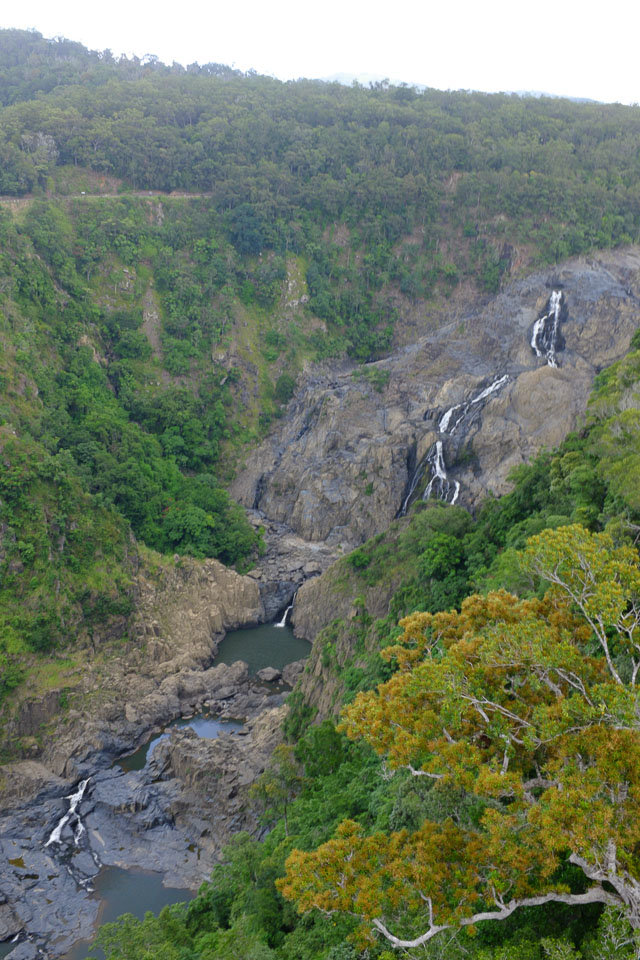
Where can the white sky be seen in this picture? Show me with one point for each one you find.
(566, 47)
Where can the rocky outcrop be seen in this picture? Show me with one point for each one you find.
(331, 597)
(173, 817)
(209, 780)
(337, 468)
(183, 610)
(288, 561)
(189, 602)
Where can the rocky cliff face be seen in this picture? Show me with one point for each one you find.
(119, 693)
(338, 468)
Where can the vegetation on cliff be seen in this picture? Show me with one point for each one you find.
(514, 807)
(146, 338)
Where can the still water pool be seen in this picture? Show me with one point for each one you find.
(135, 891)
(263, 646)
(128, 891)
(204, 725)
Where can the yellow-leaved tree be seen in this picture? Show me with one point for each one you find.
(532, 706)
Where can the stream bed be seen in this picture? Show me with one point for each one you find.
(110, 844)
(204, 725)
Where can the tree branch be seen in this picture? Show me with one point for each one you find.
(595, 895)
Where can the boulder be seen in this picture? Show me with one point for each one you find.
(269, 674)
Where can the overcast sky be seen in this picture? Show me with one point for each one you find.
(564, 47)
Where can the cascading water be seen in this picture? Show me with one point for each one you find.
(418, 473)
(283, 621)
(440, 485)
(445, 420)
(74, 802)
(545, 336)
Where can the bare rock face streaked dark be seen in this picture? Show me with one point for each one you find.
(450, 415)
(339, 466)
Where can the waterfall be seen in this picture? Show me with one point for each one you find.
(74, 802)
(415, 480)
(444, 422)
(440, 485)
(283, 622)
(545, 336)
(466, 406)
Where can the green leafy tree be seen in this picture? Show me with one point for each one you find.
(528, 705)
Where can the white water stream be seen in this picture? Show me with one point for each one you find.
(544, 336)
(283, 622)
(440, 485)
(443, 425)
(74, 802)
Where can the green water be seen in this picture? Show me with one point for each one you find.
(133, 891)
(128, 891)
(263, 646)
(204, 725)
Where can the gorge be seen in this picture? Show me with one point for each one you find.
(313, 399)
(489, 409)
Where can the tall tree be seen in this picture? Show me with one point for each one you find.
(530, 707)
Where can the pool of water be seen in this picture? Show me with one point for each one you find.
(128, 891)
(204, 725)
(6, 948)
(134, 891)
(263, 646)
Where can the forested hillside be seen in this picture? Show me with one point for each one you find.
(568, 527)
(179, 247)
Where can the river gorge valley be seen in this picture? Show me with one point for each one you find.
(319, 517)
(446, 424)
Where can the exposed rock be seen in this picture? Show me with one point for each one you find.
(24, 951)
(337, 468)
(335, 471)
(172, 817)
(288, 561)
(24, 779)
(9, 923)
(269, 674)
(211, 778)
(292, 672)
(191, 601)
(183, 611)
(330, 597)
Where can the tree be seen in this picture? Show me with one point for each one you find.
(531, 707)
(274, 790)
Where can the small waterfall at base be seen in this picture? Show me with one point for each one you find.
(283, 622)
(74, 802)
(545, 336)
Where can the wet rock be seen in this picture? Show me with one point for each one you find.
(211, 778)
(84, 864)
(336, 470)
(9, 923)
(24, 951)
(24, 779)
(276, 595)
(182, 612)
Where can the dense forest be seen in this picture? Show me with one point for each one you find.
(575, 509)
(176, 246)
